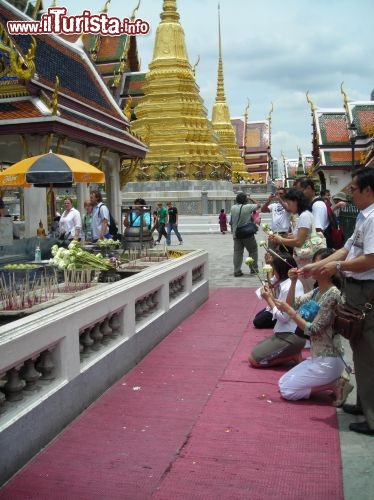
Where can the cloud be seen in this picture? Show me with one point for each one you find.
(273, 51)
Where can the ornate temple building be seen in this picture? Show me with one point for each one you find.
(253, 139)
(343, 139)
(51, 97)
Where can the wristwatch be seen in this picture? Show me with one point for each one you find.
(339, 266)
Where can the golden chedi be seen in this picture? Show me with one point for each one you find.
(171, 117)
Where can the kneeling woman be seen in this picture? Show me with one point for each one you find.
(283, 346)
(323, 369)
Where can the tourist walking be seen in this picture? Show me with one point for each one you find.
(222, 219)
(356, 261)
(162, 215)
(241, 213)
(172, 224)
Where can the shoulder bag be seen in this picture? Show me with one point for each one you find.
(315, 241)
(245, 231)
(349, 321)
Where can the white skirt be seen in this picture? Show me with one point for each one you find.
(312, 372)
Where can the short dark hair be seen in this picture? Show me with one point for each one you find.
(304, 182)
(139, 201)
(97, 195)
(241, 198)
(282, 267)
(364, 178)
(323, 253)
(302, 201)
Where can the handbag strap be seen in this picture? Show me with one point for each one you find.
(240, 211)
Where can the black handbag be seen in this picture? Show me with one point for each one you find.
(245, 231)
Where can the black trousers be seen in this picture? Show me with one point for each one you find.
(264, 319)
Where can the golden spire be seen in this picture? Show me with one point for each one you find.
(220, 97)
(169, 12)
(221, 116)
(171, 113)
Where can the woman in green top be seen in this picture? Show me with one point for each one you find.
(87, 221)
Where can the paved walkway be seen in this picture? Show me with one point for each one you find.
(357, 451)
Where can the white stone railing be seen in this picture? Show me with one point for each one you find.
(57, 361)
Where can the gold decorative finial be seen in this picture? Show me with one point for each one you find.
(127, 107)
(345, 99)
(271, 111)
(134, 12)
(106, 6)
(195, 65)
(36, 9)
(53, 104)
(126, 48)
(246, 110)
(17, 65)
(312, 107)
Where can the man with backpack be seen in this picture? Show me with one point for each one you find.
(103, 224)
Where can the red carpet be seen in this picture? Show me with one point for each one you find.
(193, 421)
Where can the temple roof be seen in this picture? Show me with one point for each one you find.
(82, 97)
(255, 136)
(333, 134)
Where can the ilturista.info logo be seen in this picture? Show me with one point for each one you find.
(57, 22)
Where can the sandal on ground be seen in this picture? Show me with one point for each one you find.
(342, 390)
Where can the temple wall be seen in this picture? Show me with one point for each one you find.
(81, 346)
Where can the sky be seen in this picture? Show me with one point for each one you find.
(274, 51)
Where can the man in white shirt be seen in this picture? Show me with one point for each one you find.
(100, 216)
(356, 261)
(280, 216)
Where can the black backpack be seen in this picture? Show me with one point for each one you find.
(112, 226)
